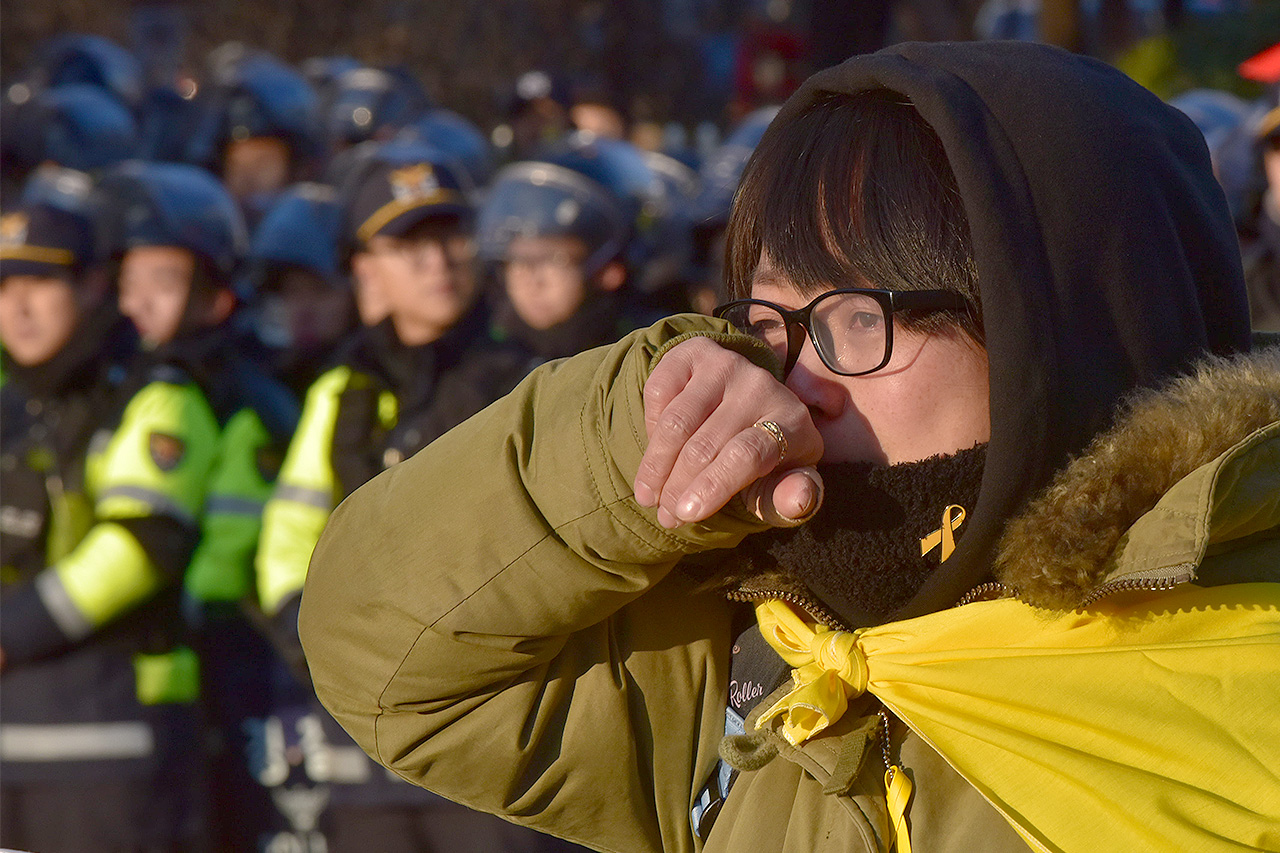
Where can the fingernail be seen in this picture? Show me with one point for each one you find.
(644, 494)
(666, 519)
(804, 502)
(689, 507)
(809, 498)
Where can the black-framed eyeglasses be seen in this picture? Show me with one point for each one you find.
(851, 328)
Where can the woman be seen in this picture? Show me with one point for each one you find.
(1028, 237)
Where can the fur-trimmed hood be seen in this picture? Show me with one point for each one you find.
(1064, 544)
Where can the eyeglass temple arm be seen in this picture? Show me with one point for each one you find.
(905, 300)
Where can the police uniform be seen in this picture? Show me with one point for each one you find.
(297, 238)
(256, 416)
(104, 485)
(185, 207)
(380, 404)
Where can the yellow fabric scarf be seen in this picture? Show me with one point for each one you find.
(1150, 721)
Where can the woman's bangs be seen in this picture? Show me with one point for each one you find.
(814, 225)
(798, 210)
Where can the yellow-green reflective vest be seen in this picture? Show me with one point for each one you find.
(307, 490)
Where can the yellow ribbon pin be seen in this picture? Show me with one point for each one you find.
(952, 517)
(898, 796)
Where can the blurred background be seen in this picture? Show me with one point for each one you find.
(683, 61)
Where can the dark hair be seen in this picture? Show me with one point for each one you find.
(855, 192)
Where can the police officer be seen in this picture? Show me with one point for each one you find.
(667, 235)
(72, 125)
(259, 130)
(371, 104)
(179, 243)
(104, 484)
(537, 113)
(556, 241)
(708, 215)
(408, 232)
(648, 202)
(299, 305)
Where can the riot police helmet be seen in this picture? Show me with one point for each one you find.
(541, 199)
(172, 204)
(457, 136)
(299, 230)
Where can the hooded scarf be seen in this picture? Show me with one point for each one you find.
(1106, 256)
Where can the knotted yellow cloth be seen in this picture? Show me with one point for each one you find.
(1150, 721)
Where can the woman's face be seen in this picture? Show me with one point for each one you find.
(931, 398)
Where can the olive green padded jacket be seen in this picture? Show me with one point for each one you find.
(496, 619)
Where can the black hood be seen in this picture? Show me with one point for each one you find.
(1105, 250)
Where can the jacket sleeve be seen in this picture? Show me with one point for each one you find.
(494, 618)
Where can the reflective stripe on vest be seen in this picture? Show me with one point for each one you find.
(157, 502)
(302, 495)
(70, 619)
(344, 765)
(233, 505)
(76, 741)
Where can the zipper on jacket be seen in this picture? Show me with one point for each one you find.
(989, 590)
(1183, 574)
(885, 750)
(818, 610)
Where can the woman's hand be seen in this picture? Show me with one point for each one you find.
(701, 406)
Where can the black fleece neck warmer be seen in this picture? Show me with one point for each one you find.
(1107, 258)
(861, 554)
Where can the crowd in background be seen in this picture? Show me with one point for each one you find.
(231, 296)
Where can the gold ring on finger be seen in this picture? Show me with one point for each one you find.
(778, 436)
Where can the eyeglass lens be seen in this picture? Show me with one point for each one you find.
(848, 330)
